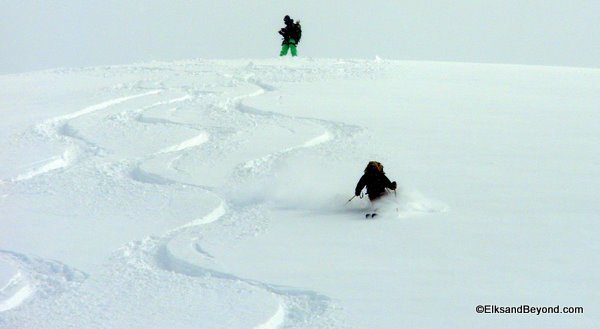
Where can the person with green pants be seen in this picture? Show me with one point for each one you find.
(291, 34)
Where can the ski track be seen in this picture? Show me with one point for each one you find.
(36, 277)
(57, 162)
(39, 277)
(334, 132)
(58, 128)
(276, 320)
(179, 253)
(101, 106)
(176, 251)
(256, 165)
(11, 298)
(192, 142)
(142, 119)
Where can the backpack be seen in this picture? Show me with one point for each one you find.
(297, 31)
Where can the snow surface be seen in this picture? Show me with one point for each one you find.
(212, 194)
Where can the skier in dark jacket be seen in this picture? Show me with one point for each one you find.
(291, 34)
(375, 180)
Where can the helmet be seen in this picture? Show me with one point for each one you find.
(287, 18)
(374, 166)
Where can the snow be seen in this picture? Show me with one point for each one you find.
(212, 194)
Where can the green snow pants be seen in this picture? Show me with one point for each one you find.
(289, 45)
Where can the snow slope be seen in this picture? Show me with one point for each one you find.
(211, 194)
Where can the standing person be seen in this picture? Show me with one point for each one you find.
(376, 182)
(291, 34)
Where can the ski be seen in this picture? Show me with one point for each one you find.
(370, 215)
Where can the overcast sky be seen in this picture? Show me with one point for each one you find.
(46, 34)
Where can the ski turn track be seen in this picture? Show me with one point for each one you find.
(192, 142)
(179, 251)
(57, 128)
(37, 277)
(298, 308)
(57, 162)
(101, 106)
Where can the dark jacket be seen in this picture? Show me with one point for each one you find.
(290, 31)
(376, 183)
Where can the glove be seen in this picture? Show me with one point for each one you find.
(394, 185)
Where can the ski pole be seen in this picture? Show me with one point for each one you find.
(354, 196)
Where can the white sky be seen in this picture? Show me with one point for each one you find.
(45, 34)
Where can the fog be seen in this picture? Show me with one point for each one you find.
(43, 34)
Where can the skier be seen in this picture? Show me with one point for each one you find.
(375, 180)
(291, 34)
